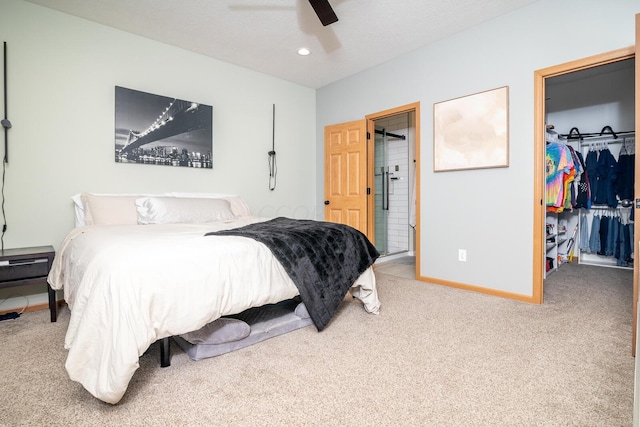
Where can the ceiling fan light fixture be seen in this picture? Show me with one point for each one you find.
(303, 51)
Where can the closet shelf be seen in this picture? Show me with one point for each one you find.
(556, 239)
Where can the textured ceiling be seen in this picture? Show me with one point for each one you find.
(264, 35)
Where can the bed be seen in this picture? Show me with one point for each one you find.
(142, 268)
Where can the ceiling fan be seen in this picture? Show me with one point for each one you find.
(324, 11)
(322, 8)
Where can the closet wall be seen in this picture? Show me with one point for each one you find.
(589, 100)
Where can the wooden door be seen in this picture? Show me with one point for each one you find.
(636, 184)
(345, 179)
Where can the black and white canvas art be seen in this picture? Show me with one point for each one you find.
(159, 130)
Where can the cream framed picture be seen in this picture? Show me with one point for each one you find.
(472, 132)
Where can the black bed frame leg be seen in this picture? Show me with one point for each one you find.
(165, 353)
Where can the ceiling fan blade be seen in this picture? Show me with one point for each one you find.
(324, 11)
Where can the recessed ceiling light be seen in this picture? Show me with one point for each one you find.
(303, 51)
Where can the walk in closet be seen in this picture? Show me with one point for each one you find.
(589, 156)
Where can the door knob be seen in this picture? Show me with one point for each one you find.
(326, 202)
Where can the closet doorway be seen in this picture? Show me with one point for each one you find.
(541, 80)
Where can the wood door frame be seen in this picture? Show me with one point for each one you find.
(539, 209)
(371, 118)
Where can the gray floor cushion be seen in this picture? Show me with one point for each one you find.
(230, 333)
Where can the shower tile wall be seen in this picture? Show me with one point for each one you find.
(398, 154)
(398, 223)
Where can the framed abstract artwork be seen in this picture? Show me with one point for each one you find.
(159, 130)
(472, 132)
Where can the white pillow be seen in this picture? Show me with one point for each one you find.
(195, 210)
(109, 210)
(102, 199)
(238, 206)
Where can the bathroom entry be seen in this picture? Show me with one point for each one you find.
(350, 186)
(394, 170)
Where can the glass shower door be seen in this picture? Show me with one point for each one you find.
(381, 192)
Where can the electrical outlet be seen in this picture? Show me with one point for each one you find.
(462, 255)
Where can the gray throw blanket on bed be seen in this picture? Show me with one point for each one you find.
(323, 259)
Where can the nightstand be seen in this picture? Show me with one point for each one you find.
(27, 266)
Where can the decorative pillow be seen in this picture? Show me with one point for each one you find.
(167, 210)
(109, 210)
(219, 331)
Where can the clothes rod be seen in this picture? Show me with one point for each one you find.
(597, 135)
(605, 208)
(393, 135)
(604, 139)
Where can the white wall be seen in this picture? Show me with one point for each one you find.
(487, 212)
(62, 71)
(593, 98)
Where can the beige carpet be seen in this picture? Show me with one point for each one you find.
(435, 356)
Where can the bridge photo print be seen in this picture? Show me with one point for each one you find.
(159, 130)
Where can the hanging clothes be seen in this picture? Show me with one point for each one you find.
(626, 176)
(603, 185)
(583, 243)
(570, 189)
(604, 234)
(560, 171)
(624, 248)
(583, 188)
(594, 236)
(624, 254)
(591, 163)
(624, 185)
(612, 236)
(606, 174)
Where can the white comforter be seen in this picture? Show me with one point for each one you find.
(128, 286)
